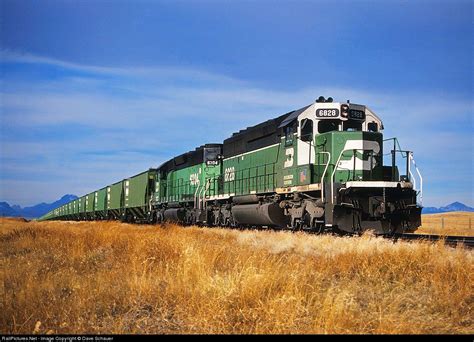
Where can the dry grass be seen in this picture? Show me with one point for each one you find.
(455, 223)
(92, 277)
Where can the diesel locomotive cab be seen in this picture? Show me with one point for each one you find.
(212, 154)
(359, 192)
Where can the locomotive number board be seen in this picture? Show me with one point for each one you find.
(327, 113)
(356, 114)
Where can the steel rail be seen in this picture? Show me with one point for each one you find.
(450, 240)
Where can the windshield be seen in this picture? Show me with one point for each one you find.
(352, 125)
(211, 155)
(328, 125)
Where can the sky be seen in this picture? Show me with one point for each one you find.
(93, 92)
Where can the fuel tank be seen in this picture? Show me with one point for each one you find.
(174, 215)
(267, 214)
(245, 199)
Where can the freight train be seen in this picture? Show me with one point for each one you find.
(319, 168)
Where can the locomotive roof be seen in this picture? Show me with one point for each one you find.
(261, 135)
(278, 122)
(249, 139)
(293, 116)
(189, 158)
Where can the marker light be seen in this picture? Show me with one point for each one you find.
(344, 110)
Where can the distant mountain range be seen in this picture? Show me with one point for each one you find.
(456, 206)
(34, 211)
(42, 208)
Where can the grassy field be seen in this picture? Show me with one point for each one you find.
(456, 223)
(91, 277)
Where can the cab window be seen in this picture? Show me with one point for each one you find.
(373, 127)
(289, 130)
(307, 130)
(328, 126)
(211, 155)
(350, 125)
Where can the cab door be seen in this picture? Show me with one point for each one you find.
(289, 150)
(213, 170)
(306, 142)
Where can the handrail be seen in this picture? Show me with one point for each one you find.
(412, 178)
(324, 174)
(337, 165)
(395, 141)
(421, 178)
(208, 183)
(243, 180)
(421, 186)
(199, 197)
(334, 173)
(195, 195)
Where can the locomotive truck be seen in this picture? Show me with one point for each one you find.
(318, 168)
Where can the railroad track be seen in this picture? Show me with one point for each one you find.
(450, 240)
(454, 241)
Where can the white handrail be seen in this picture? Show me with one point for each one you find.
(421, 181)
(324, 174)
(199, 197)
(195, 195)
(421, 186)
(204, 193)
(337, 165)
(334, 172)
(412, 179)
(412, 176)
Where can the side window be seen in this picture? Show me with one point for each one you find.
(289, 130)
(306, 130)
(328, 126)
(373, 127)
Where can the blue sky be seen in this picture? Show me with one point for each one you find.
(95, 91)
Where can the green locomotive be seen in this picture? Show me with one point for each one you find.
(318, 168)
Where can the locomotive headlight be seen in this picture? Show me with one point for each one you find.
(344, 110)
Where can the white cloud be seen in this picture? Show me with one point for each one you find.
(134, 114)
(147, 73)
